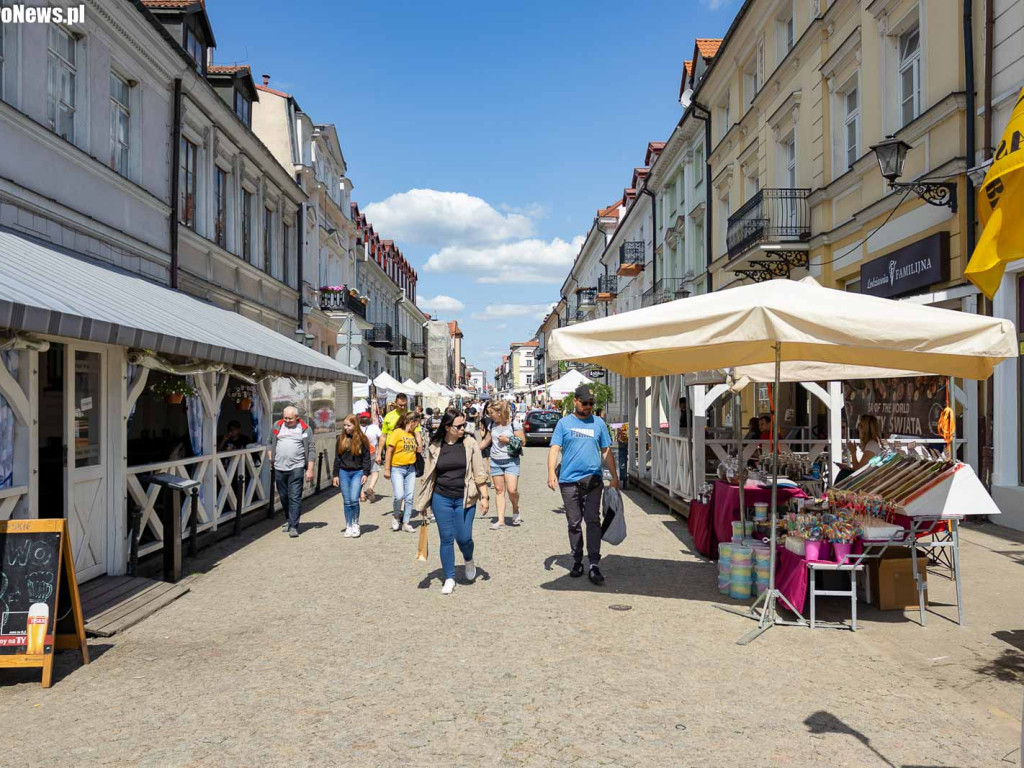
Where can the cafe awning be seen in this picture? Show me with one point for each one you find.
(47, 290)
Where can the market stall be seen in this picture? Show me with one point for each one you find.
(791, 325)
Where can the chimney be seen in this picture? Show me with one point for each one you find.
(266, 80)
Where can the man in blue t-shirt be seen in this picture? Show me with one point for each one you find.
(582, 442)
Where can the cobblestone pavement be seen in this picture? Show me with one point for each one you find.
(328, 651)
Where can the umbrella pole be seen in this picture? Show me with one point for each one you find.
(769, 612)
(741, 474)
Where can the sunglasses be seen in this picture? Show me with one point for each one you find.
(459, 426)
(586, 402)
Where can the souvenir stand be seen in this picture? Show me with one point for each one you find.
(818, 334)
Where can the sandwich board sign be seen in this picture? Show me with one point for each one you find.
(40, 610)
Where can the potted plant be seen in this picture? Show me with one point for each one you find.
(173, 389)
(332, 289)
(243, 394)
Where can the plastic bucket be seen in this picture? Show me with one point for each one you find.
(739, 589)
(760, 511)
(813, 550)
(841, 551)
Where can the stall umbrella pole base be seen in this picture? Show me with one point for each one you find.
(766, 616)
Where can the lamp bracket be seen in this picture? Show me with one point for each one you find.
(938, 193)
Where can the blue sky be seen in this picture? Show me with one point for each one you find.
(482, 137)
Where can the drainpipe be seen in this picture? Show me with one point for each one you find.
(395, 334)
(175, 190)
(989, 26)
(301, 231)
(702, 113)
(654, 234)
(971, 117)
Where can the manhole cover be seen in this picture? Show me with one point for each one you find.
(621, 607)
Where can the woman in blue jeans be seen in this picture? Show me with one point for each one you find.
(454, 483)
(504, 467)
(404, 444)
(352, 461)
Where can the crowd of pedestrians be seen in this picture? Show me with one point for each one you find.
(440, 465)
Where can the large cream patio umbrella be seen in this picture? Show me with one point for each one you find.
(810, 324)
(804, 330)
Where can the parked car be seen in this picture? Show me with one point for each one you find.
(538, 426)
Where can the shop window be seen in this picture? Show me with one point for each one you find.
(61, 82)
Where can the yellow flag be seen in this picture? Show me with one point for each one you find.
(1000, 207)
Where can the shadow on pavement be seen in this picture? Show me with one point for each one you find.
(65, 663)
(460, 577)
(1008, 668)
(645, 576)
(824, 723)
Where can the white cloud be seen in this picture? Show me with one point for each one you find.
(507, 311)
(714, 5)
(441, 303)
(428, 217)
(523, 261)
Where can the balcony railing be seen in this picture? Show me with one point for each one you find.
(631, 258)
(399, 346)
(663, 290)
(770, 216)
(341, 301)
(586, 298)
(379, 335)
(607, 287)
(417, 350)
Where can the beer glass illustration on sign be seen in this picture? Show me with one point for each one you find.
(38, 619)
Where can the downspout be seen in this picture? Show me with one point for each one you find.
(703, 114)
(654, 235)
(395, 334)
(971, 118)
(300, 250)
(989, 27)
(175, 189)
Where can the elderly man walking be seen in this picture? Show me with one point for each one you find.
(291, 451)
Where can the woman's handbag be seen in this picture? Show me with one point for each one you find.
(515, 447)
(421, 549)
(419, 465)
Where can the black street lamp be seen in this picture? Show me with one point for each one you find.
(891, 155)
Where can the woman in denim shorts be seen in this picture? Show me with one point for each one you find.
(504, 468)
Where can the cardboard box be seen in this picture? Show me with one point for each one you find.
(893, 587)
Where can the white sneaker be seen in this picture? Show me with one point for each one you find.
(355, 531)
(449, 587)
(516, 519)
(470, 570)
(408, 528)
(348, 532)
(395, 525)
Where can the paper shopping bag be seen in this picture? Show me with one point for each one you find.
(421, 550)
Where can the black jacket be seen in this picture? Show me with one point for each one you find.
(350, 462)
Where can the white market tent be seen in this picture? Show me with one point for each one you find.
(387, 383)
(413, 387)
(803, 329)
(427, 386)
(566, 384)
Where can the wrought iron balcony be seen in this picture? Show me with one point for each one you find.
(631, 258)
(577, 317)
(663, 290)
(342, 301)
(399, 346)
(417, 350)
(379, 335)
(607, 287)
(355, 304)
(586, 298)
(770, 216)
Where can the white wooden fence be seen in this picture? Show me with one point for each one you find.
(671, 465)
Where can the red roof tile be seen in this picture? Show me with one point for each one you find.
(611, 210)
(170, 4)
(688, 67)
(266, 89)
(708, 46)
(226, 69)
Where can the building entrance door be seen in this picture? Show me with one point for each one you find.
(85, 406)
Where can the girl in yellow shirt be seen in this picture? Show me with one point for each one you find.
(403, 444)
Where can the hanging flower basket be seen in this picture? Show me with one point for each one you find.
(243, 395)
(173, 389)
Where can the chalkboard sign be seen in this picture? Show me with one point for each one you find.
(40, 610)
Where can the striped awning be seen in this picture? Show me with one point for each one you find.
(48, 290)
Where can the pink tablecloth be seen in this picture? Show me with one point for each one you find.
(725, 503)
(699, 524)
(791, 578)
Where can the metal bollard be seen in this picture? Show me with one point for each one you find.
(170, 519)
(319, 467)
(193, 529)
(134, 520)
(239, 485)
(273, 487)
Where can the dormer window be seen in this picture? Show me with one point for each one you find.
(243, 108)
(194, 47)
